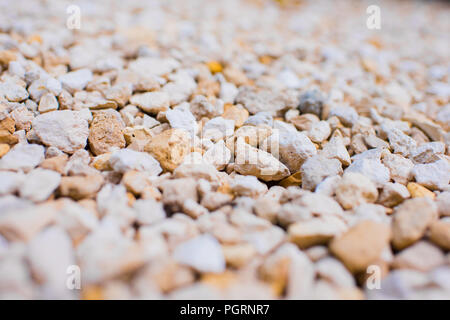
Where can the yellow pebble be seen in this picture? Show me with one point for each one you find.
(220, 280)
(293, 180)
(214, 66)
(92, 293)
(35, 38)
(4, 149)
(417, 191)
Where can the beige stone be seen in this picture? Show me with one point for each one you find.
(355, 189)
(79, 187)
(439, 234)
(106, 133)
(411, 220)
(169, 148)
(361, 245)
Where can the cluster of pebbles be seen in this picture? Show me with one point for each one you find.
(224, 149)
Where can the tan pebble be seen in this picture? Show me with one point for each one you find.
(169, 148)
(439, 234)
(131, 199)
(219, 280)
(239, 115)
(417, 191)
(8, 124)
(101, 162)
(293, 180)
(411, 220)
(57, 163)
(238, 255)
(105, 133)
(92, 292)
(4, 148)
(79, 187)
(8, 138)
(214, 66)
(361, 246)
(151, 192)
(6, 56)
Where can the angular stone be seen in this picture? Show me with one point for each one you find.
(66, 130)
(169, 148)
(361, 246)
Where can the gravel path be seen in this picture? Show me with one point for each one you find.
(224, 149)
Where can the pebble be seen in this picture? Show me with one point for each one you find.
(317, 168)
(151, 102)
(124, 160)
(23, 157)
(434, 175)
(439, 234)
(106, 132)
(355, 189)
(351, 247)
(169, 148)
(311, 102)
(65, 130)
(202, 253)
(76, 80)
(218, 128)
(293, 148)
(411, 220)
(39, 184)
(182, 118)
(421, 256)
(258, 163)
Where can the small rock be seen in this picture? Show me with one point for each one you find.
(248, 186)
(106, 132)
(151, 102)
(355, 189)
(347, 115)
(202, 253)
(80, 187)
(422, 256)
(39, 184)
(311, 102)
(4, 149)
(393, 194)
(418, 191)
(317, 168)
(76, 80)
(258, 163)
(352, 247)
(371, 168)
(218, 128)
(238, 115)
(218, 155)
(169, 148)
(316, 231)
(319, 131)
(48, 103)
(10, 182)
(434, 175)
(260, 118)
(293, 148)
(439, 234)
(23, 157)
(335, 149)
(400, 167)
(411, 220)
(401, 143)
(67, 130)
(182, 118)
(124, 160)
